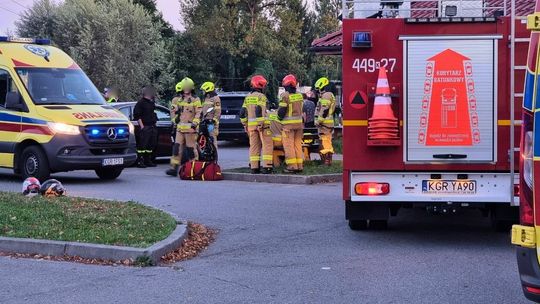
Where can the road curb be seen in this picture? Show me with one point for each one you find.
(284, 179)
(95, 251)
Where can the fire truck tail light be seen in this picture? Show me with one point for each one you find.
(372, 188)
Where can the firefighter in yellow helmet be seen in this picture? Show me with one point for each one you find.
(290, 114)
(187, 117)
(211, 101)
(253, 116)
(325, 119)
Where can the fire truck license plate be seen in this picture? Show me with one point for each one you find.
(448, 187)
(112, 162)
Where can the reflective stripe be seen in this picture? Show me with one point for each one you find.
(299, 160)
(175, 161)
(253, 123)
(291, 120)
(273, 117)
(296, 97)
(267, 157)
(324, 102)
(254, 158)
(282, 104)
(251, 100)
(291, 161)
(276, 138)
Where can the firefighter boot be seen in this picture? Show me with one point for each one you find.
(323, 158)
(255, 171)
(172, 171)
(328, 159)
(148, 161)
(140, 161)
(268, 170)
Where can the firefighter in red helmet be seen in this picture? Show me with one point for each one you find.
(290, 115)
(253, 115)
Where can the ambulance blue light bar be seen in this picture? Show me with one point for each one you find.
(40, 41)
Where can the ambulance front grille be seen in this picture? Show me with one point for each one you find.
(107, 134)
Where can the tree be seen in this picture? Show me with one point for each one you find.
(39, 20)
(115, 42)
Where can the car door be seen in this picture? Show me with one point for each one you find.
(10, 121)
(164, 126)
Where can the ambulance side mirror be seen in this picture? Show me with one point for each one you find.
(14, 102)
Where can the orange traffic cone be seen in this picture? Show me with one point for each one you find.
(383, 124)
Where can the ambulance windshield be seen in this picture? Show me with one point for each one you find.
(59, 86)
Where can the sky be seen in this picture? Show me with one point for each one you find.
(11, 9)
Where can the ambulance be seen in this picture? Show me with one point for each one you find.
(432, 94)
(526, 235)
(53, 119)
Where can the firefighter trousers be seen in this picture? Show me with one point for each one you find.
(292, 145)
(183, 141)
(260, 140)
(147, 140)
(325, 136)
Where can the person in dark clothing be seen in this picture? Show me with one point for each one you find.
(308, 110)
(144, 113)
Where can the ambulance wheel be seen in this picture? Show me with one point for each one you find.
(34, 163)
(358, 224)
(109, 173)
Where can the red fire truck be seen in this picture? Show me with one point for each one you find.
(445, 135)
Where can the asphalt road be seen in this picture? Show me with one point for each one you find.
(277, 244)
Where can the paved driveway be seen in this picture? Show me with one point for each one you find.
(278, 244)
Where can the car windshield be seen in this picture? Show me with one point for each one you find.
(59, 86)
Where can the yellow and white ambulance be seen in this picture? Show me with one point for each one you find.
(53, 119)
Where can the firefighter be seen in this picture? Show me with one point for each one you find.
(187, 113)
(253, 115)
(144, 114)
(211, 100)
(290, 114)
(325, 119)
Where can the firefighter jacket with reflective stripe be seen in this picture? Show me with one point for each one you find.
(253, 113)
(188, 113)
(290, 110)
(212, 101)
(275, 126)
(325, 110)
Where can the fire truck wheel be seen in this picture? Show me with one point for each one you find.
(109, 174)
(378, 224)
(34, 163)
(358, 224)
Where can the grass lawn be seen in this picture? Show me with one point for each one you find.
(82, 220)
(310, 168)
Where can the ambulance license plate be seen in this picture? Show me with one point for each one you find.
(112, 162)
(449, 187)
(228, 116)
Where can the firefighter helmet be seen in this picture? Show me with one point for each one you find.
(258, 82)
(188, 84)
(31, 186)
(52, 188)
(289, 81)
(178, 88)
(208, 87)
(322, 83)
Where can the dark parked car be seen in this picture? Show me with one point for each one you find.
(164, 126)
(230, 127)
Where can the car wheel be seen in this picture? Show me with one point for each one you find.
(109, 173)
(34, 163)
(358, 224)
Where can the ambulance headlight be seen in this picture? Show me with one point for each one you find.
(131, 128)
(62, 128)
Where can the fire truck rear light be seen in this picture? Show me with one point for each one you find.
(532, 289)
(372, 188)
(516, 190)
